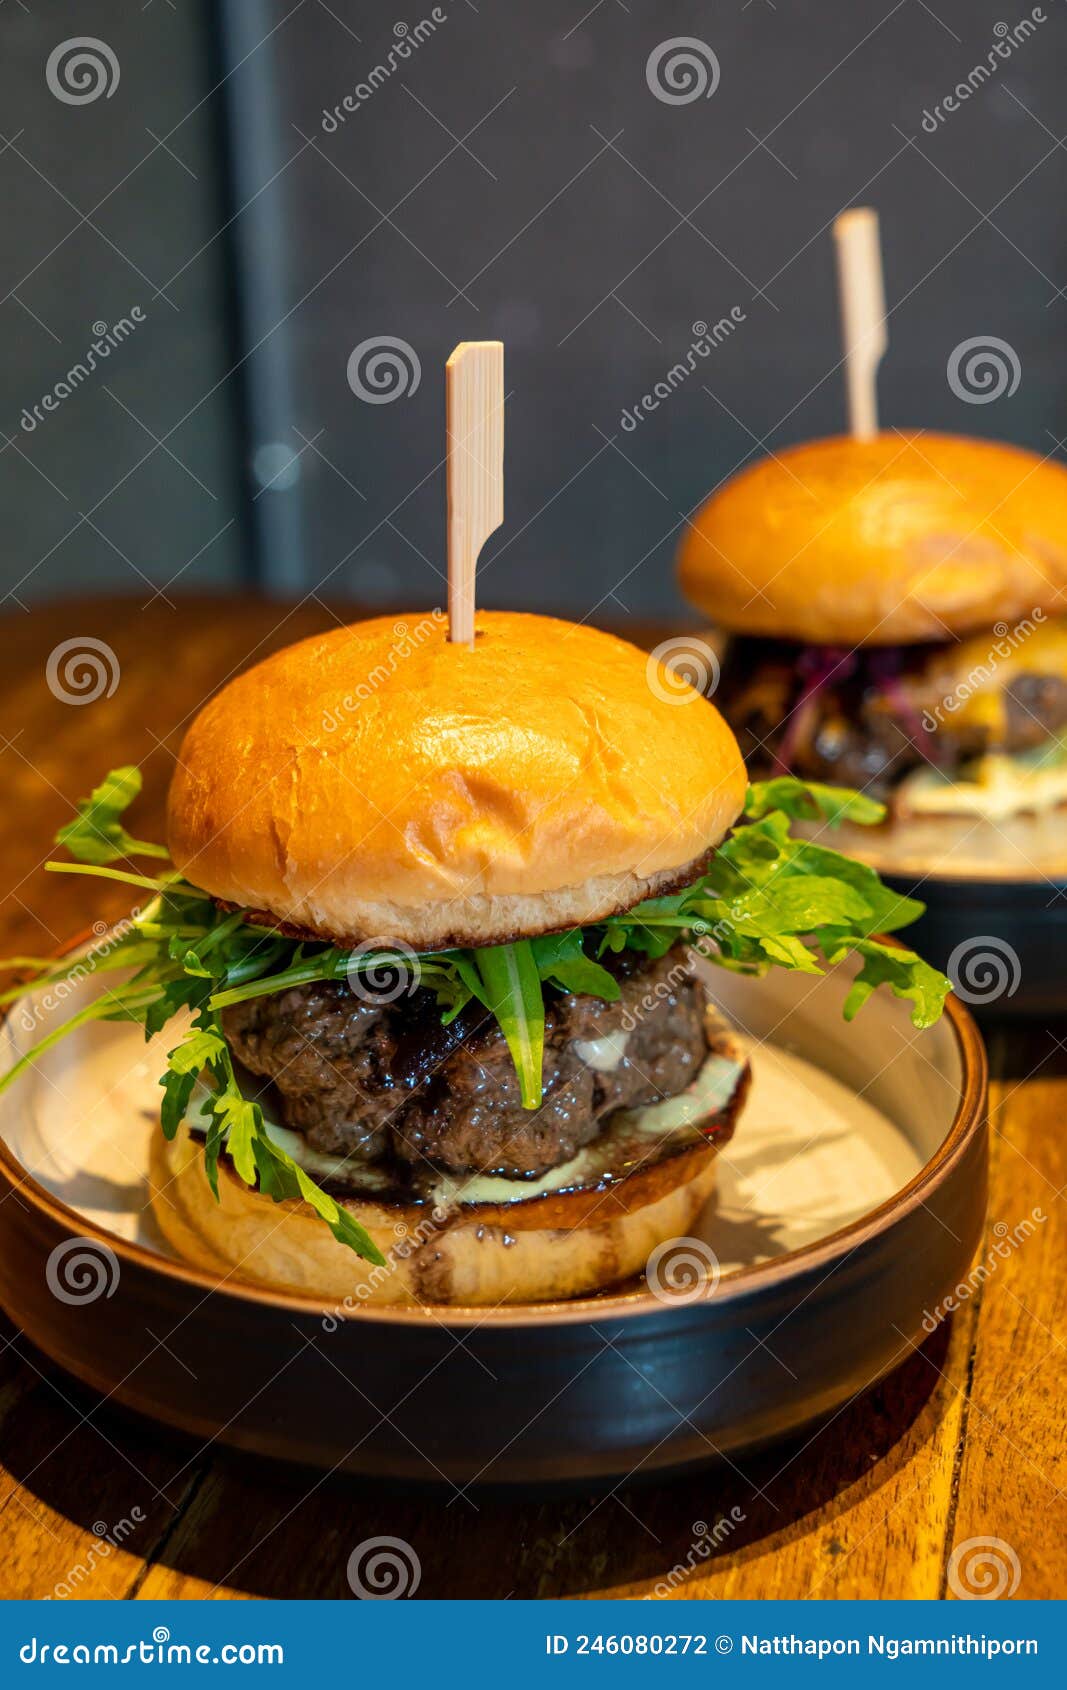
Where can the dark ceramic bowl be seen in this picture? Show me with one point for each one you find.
(590, 1390)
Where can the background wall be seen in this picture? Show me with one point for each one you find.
(507, 170)
(111, 205)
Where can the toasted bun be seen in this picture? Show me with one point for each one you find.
(882, 542)
(378, 783)
(562, 1244)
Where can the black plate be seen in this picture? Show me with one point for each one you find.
(552, 1392)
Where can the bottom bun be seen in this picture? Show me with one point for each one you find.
(442, 1257)
(642, 1182)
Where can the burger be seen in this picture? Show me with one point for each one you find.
(433, 929)
(893, 616)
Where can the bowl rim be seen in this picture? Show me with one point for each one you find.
(968, 1120)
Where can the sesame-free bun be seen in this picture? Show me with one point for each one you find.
(538, 1249)
(902, 538)
(380, 783)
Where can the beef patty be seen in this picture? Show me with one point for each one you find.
(387, 1080)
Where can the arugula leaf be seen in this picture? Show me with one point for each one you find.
(175, 995)
(888, 910)
(177, 1092)
(651, 928)
(197, 1049)
(811, 801)
(905, 972)
(765, 853)
(561, 960)
(240, 1122)
(769, 900)
(236, 1124)
(511, 988)
(455, 983)
(97, 835)
(280, 1177)
(797, 902)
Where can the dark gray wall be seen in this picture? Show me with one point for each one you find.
(514, 176)
(590, 224)
(109, 205)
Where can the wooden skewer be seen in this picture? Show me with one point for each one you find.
(861, 294)
(474, 409)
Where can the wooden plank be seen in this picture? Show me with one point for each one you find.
(858, 1508)
(86, 1496)
(63, 1474)
(1014, 1468)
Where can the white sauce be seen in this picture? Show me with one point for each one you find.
(604, 1055)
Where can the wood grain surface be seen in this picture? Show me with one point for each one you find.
(965, 1441)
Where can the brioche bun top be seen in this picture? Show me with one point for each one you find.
(902, 538)
(380, 783)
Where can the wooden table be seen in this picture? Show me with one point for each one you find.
(966, 1440)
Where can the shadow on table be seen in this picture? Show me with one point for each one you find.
(1026, 1049)
(233, 1520)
